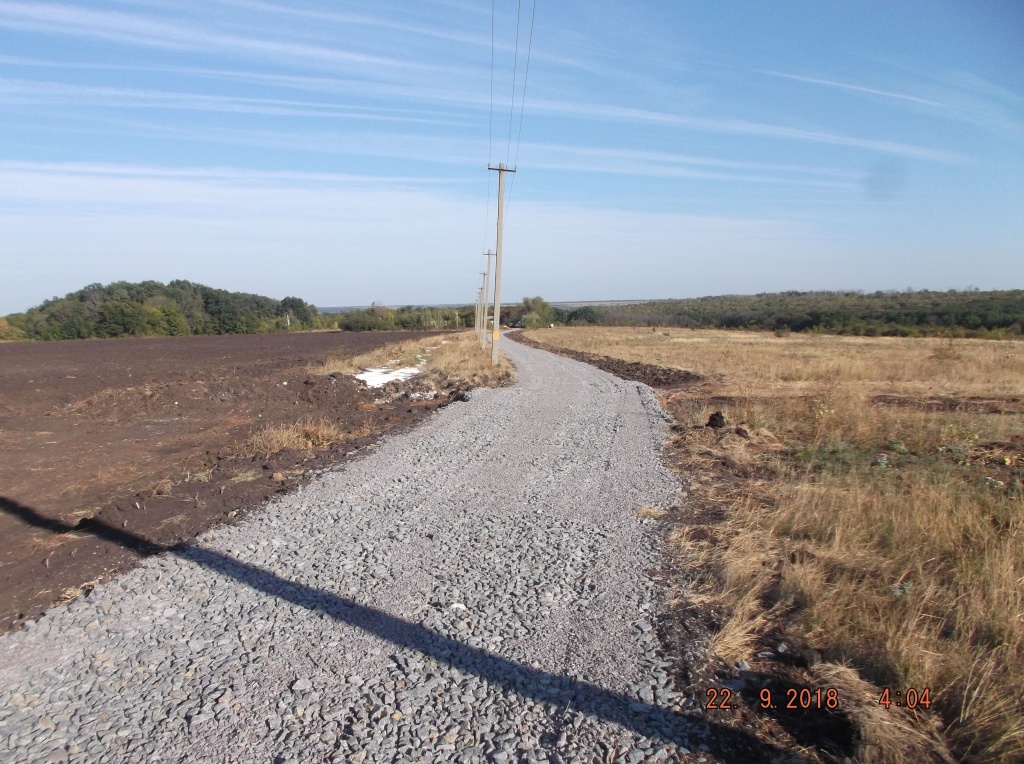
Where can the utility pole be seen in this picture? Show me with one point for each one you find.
(487, 287)
(479, 316)
(483, 309)
(479, 313)
(476, 317)
(501, 170)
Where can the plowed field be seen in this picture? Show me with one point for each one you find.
(148, 435)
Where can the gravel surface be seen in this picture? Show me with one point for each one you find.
(473, 590)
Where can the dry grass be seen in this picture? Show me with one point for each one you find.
(456, 357)
(247, 476)
(889, 537)
(306, 433)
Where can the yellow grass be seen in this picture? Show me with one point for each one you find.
(306, 433)
(890, 537)
(456, 357)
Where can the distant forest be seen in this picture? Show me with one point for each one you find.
(152, 309)
(969, 313)
(181, 307)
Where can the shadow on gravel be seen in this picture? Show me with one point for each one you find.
(728, 744)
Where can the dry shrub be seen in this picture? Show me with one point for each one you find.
(888, 537)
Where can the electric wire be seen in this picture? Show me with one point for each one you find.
(490, 135)
(512, 106)
(522, 108)
(490, 118)
(515, 66)
(526, 80)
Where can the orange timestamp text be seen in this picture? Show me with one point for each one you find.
(793, 699)
(908, 698)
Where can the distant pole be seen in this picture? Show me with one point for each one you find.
(483, 310)
(480, 315)
(476, 315)
(487, 294)
(501, 170)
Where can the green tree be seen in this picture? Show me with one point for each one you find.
(539, 306)
(534, 320)
(584, 316)
(118, 318)
(298, 309)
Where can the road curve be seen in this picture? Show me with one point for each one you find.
(472, 590)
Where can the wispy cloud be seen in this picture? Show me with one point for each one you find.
(52, 93)
(853, 88)
(954, 95)
(744, 127)
(363, 20)
(453, 94)
(133, 29)
(455, 152)
(664, 157)
(616, 161)
(447, 34)
(219, 175)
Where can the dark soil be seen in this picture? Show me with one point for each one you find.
(948, 403)
(146, 435)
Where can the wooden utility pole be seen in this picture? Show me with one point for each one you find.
(501, 170)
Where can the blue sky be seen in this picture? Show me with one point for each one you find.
(338, 151)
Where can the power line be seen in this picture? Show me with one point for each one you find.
(522, 108)
(526, 80)
(515, 65)
(490, 131)
(487, 209)
(490, 118)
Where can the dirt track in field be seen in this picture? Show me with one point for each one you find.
(144, 434)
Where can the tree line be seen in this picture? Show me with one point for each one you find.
(151, 308)
(408, 318)
(180, 307)
(967, 313)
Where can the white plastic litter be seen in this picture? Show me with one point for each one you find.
(380, 377)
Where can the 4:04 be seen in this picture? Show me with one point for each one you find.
(910, 698)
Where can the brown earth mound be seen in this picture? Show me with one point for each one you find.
(153, 436)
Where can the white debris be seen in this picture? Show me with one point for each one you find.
(380, 377)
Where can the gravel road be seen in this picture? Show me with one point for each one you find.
(472, 590)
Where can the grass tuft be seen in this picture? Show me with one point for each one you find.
(308, 433)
